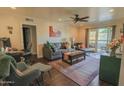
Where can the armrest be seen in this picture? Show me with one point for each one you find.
(27, 77)
(47, 52)
(30, 74)
(4, 69)
(58, 52)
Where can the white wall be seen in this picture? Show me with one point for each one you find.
(42, 27)
(4, 32)
(43, 34)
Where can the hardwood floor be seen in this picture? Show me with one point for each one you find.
(58, 79)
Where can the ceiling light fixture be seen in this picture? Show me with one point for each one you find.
(59, 19)
(13, 8)
(111, 10)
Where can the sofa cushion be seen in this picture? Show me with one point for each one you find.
(63, 50)
(58, 52)
(57, 45)
(50, 46)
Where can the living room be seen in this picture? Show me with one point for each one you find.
(63, 25)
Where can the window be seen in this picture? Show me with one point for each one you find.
(92, 38)
(99, 38)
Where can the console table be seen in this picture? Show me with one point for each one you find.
(109, 69)
(18, 54)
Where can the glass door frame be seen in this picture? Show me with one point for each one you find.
(96, 39)
(92, 40)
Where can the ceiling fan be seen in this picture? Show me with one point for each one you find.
(79, 19)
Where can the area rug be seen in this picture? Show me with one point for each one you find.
(96, 55)
(81, 73)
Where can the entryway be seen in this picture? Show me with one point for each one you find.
(29, 38)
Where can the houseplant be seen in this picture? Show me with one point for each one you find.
(113, 45)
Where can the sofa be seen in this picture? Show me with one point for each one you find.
(52, 51)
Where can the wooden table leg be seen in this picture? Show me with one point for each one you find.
(49, 74)
(38, 82)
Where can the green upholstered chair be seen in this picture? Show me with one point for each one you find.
(17, 73)
(4, 67)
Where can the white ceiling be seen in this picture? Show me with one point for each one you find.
(99, 13)
(63, 14)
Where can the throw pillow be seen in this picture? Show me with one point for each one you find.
(62, 46)
(65, 45)
(82, 46)
(50, 45)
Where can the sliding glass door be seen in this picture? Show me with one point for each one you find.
(92, 39)
(99, 38)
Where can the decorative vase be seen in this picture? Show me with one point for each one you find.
(113, 53)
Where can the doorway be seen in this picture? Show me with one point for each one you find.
(29, 38)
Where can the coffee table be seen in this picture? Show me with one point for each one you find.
(74, 56)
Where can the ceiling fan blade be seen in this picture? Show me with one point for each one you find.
(72, 17)
(78, 19)
(85, 17)
(75, 21)
(83, 20)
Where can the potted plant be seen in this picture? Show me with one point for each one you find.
(113, 45)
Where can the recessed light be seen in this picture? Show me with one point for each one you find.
(13, 8)
(59, 19)
(111, 10)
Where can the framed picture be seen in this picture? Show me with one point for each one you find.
(54, 32)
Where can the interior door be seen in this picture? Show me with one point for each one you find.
(26, 37)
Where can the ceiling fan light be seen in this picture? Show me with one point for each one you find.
(59, 19)
(111, 10)
(13, 8)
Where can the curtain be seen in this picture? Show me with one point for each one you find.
(86, 37)
(113, 31)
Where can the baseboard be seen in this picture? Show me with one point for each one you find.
(39, 56)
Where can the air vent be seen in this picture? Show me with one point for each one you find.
(29, 19)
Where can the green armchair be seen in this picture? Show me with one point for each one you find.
(18, 73)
